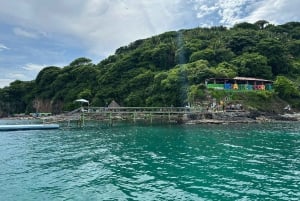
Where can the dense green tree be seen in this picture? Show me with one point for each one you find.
(16, 98)
(285, 87)
(82, 61)
(164, 70)
(182, 54)
(253, 65)
(86, 94)
(261, 23)
(242, 41)
(197, 71)
(163, 56)
(207, 54)
(44, 81)
(47, 75)
(224, 70)
(294, 47)
(246, 25)
(276, 53)
(295, 33)
(195, 93)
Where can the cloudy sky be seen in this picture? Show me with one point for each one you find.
(39, 33)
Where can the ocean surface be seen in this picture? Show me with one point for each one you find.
(152, 162)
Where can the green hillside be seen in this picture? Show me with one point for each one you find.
(170, 70)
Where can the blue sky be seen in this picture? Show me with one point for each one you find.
(39, 33)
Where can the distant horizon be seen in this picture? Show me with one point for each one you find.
(36, 34)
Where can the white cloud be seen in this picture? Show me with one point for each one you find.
(34, 67)
(231, 11)
(22, 32)
(223, 12)
(8, 75)
(5, 82)
(276, 11)
(16, 76)
(3, 47)
(204, 7)
(99, 25)
(110, 25)
(204, 10)
(38, 67)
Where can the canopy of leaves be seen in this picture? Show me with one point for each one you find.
(253, 65)
(165, 70)
(286, 88)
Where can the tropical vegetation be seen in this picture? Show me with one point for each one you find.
(169, 70)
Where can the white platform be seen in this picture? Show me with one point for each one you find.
(28, 127)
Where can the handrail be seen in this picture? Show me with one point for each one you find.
(140, 109)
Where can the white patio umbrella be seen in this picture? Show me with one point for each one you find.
(82, 100)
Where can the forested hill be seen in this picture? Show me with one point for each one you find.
(167, 70)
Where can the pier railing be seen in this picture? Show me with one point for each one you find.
(149, 114)
(153, 110)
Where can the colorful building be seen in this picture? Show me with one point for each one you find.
(239, 84)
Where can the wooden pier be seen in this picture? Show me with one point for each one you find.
(170, 114)
(109, 115)
(131, 114)
(132, 110)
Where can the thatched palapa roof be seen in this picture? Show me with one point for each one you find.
(113, 104)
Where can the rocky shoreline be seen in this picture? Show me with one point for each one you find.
(221, 117)
(241, 117)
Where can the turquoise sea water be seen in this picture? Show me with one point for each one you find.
(143, 162)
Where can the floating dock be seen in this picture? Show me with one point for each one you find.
(28, 127)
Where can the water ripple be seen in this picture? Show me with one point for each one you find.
(207, 162)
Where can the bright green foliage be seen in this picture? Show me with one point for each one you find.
(207, 54)
(294, 47)
(166, 70)
(246, 25)
(17, 98)
(224, 70)
(286, 88)
(44, 81)
(197, 71)
(276, 53)
(253, 65)
(86, 94)
(242, 40)
(195, 92)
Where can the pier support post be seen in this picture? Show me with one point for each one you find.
(134, 116)
(83, 120)
(110, 119)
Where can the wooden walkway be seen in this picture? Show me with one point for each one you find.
(150, 114)
(132, 110)
(133, 114)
